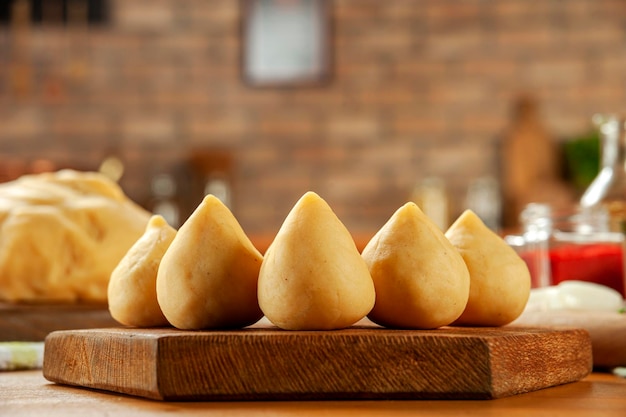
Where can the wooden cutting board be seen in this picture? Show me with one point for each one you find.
(361, 362)
(33, 322)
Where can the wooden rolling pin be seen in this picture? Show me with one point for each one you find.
(606, 329)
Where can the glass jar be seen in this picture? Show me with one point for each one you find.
(608, 189)
(570, 244)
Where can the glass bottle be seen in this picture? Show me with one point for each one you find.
(608, 189)
(164, 199)
(431, 197)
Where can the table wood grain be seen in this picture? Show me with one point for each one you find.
(27, 393)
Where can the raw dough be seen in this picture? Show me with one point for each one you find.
(61, 235)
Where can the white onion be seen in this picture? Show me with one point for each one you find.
(575, 295)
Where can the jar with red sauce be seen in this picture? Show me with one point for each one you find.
(570, 244)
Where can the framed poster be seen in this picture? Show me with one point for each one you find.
(285, 42)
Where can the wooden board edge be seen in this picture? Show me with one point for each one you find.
(320, 364)
(573, 362)
(70, 358)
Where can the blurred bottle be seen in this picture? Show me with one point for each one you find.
(217, 184)
(431, 197)
(608, 189)
(483, 198)
(164, 190)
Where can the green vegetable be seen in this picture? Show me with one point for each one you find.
(582, 159)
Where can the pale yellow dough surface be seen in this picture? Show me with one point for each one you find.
(421, 280)
(62, 234)
(313, 277)
(208, 276)
(132, 287)
(499, 278)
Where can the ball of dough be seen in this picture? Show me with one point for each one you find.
(499, 278)
(132, 287)
(313, 277)
(421, 280)
(208, 276)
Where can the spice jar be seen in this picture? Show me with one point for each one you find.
(568, 244)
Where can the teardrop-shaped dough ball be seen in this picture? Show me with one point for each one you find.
(132, 287)
(421, 280)
(499, 278)
(313, 277)
(208, 276)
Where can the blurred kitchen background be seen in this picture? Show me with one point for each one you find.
(452, 103)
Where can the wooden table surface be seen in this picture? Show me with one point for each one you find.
(27, 393)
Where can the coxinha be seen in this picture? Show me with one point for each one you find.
(411, 275)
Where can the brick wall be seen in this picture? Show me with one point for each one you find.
(419, 88)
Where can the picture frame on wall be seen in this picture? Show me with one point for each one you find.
(285, 43)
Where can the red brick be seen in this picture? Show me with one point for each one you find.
(19, 124)
(144, 127)
(349, 127)
(143, 14)
(227, 127)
